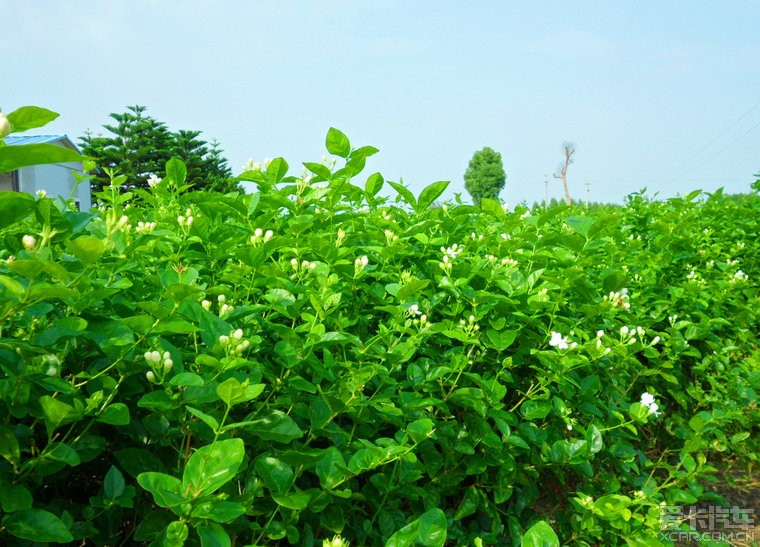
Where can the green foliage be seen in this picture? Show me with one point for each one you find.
(485, 177)
(313, 360)
(140, 146)
(16, 157)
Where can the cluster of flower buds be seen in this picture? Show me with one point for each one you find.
(449, 254)
(252, 166)
(504, 262)
(475, 236)
(260, 237)
(303, 266)
(145, 227)
(41, 193)
(738, 277)
(359, 264)
(160, 364)
(186, 220)
(469, 326)
(628, 335)
(390, 237)
(224, 308)
(234, 344)
(340, 237)
(619, 299)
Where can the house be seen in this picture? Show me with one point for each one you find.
(56, 179)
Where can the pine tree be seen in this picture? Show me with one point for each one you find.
(485, 177)
(139, 146)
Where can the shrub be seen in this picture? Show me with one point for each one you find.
(312, 359)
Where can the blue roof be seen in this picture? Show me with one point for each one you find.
(39, 139)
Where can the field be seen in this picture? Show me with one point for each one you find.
(313, 360)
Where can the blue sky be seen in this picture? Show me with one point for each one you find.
(657, 94)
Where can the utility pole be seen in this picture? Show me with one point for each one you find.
(588, 186)
(546, 193)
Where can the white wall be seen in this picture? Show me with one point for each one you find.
(57, 180)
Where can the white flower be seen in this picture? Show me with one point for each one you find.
(414, 309)
(624, 330)
(29, 242)
(647, 398)
(154, 180)
(558, 341)
(41, 193)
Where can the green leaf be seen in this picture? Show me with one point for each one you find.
(166, 490)
(13, 286)
(337, 143)
(278, 427)
(581, 225)
(61, 452)
(115, 414)
(176, 534)
(177, 171)
(331, 469)
(501, 340)
(14, 206)
(535, 410)
(295, 501)
(205, 418)
(276, 474)
(138, 460)
(374, 184)
(113, 485)
(405, 193)
(86, 249)
(28, 117)
(212, 466)
(276, 170)
(232, 392)
(540, 535)
(469, 503)
(37, 525)
(9, 448)
(419, 430)
(213, 535)
(23, 155)
(428, 530)
(14, 497)
(218, 510)
(412, 288)
(430, 194)
(56, 412)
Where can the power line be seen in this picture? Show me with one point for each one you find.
(719, 152)
(708, 144)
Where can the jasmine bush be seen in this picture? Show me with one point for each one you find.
(313, 359)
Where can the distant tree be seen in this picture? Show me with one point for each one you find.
(139, 145)
(485, 177)
(561, 172)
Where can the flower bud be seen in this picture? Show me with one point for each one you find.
(221, 298)
(150, 376)
(5, 125)
(258, 232)
(206, 304)
(238, 334)
(224, 339)
(29, 242)
(168, 364)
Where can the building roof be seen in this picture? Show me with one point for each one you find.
(40, 139)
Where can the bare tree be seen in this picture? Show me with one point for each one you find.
(562, 169)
